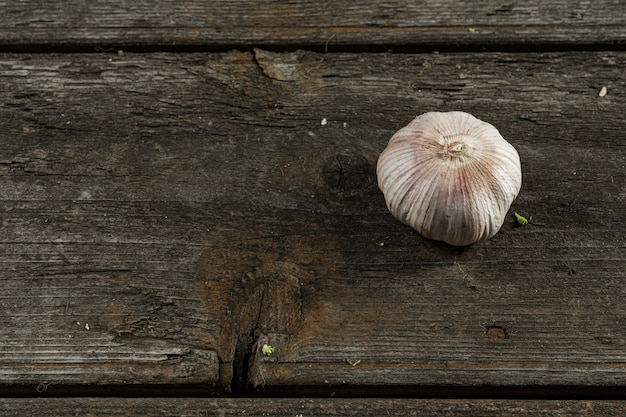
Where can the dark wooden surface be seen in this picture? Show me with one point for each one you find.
(258, 407)
(193, 207)
(166, 214)
(364, 24)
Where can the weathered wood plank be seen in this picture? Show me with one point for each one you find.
(345, 23)
(192, 208)
(304, 407)
(413, 312)
(94, 290)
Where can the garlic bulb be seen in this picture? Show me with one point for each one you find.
(450, 176)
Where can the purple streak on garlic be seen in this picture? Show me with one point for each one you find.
(450, 176)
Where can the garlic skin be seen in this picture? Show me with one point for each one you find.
(450, 176)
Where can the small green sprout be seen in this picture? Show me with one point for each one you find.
(472, 30)
(267, 350)
(355, 363)
(381, 244)
(521, 220)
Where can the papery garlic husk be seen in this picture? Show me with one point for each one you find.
(450, 176)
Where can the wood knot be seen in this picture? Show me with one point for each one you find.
(347, 173)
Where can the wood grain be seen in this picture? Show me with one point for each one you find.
(224, 407)
(191, 208)
(398, 24)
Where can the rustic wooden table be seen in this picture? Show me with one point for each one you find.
(183, 182)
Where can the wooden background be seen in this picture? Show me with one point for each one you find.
(184, 182)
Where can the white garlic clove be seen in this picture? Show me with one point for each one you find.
(450, 176)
